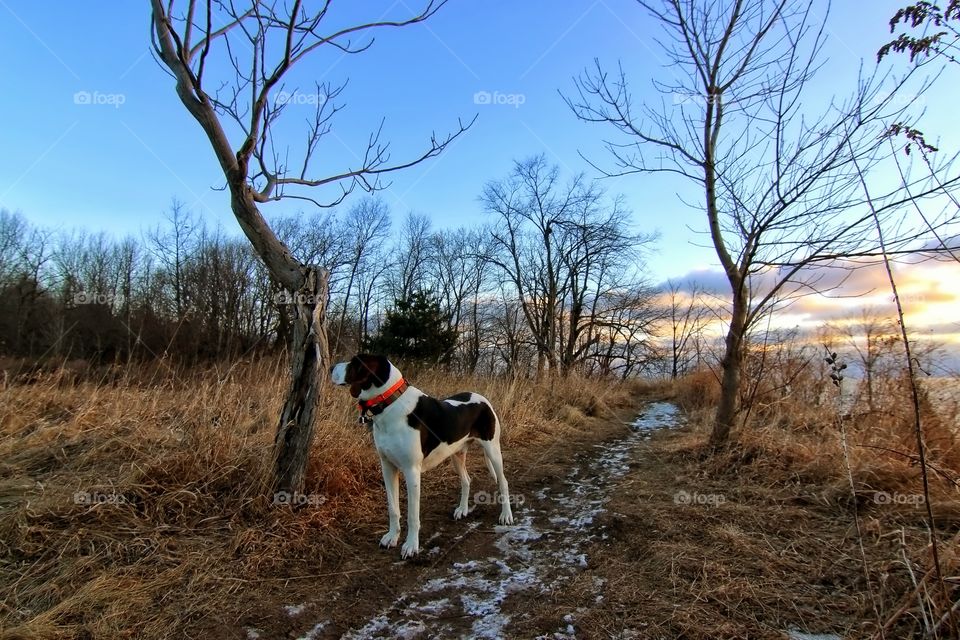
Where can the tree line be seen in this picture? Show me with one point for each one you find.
(552, 280)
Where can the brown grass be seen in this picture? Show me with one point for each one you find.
(175, 467)
(789, 453)
(181, 463)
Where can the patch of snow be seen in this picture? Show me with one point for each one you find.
(252, 634)
(490, 627)
(408, 629)
(371, 629)
(314, 633)
(294, 609)
(658, 415)
(434, 607)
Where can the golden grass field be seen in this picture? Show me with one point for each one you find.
(138, 504)
(172, 472)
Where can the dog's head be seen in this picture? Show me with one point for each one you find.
(362, 372)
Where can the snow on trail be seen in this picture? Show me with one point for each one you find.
(543, 549)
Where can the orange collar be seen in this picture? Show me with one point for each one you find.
(378, 404)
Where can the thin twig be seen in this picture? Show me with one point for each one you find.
(913, 579)
(915, 394)
(856, 509)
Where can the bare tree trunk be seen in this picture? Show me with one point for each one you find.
(726, 417)
(308, 375)
(309, 351)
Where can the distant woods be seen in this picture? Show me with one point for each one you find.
(552, 281)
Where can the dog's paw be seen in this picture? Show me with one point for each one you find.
(506, 518)
(460, 512)
(409, 549)
(389, 541)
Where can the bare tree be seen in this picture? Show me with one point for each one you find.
(512, 339)
(686, 316)
(238, 116)
(601, 259)
(413, 257)
(13, 232)
(564, 248)
(366, 227)
(777, 175)
(529, 203)
(626, 324)
(171, 246)
(873, 339)
(461, 268)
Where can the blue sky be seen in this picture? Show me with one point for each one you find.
(116, 167)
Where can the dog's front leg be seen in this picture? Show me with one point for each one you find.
(391, 482)
(411, 547)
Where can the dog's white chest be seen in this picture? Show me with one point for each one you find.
(397, 442)
(393, 436)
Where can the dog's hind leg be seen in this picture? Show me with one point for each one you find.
(459, 460)
(491, 449)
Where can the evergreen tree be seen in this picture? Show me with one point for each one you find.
(416, 329)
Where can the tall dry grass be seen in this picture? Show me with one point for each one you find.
(789, 449)
(796, 432)
(134, 505)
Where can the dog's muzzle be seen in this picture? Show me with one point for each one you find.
(338, 373)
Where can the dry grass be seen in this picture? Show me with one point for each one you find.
(136, 505)
(183, 525)
(789, 453)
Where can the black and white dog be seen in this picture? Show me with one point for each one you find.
(414, 433)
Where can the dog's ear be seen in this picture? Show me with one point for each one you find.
(381, 369)
(365, 371)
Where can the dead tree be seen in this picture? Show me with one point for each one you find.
(776, 173)
(229, 64)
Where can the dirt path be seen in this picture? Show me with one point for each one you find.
(481, 580)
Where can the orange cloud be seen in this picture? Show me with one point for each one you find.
(929, 294)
